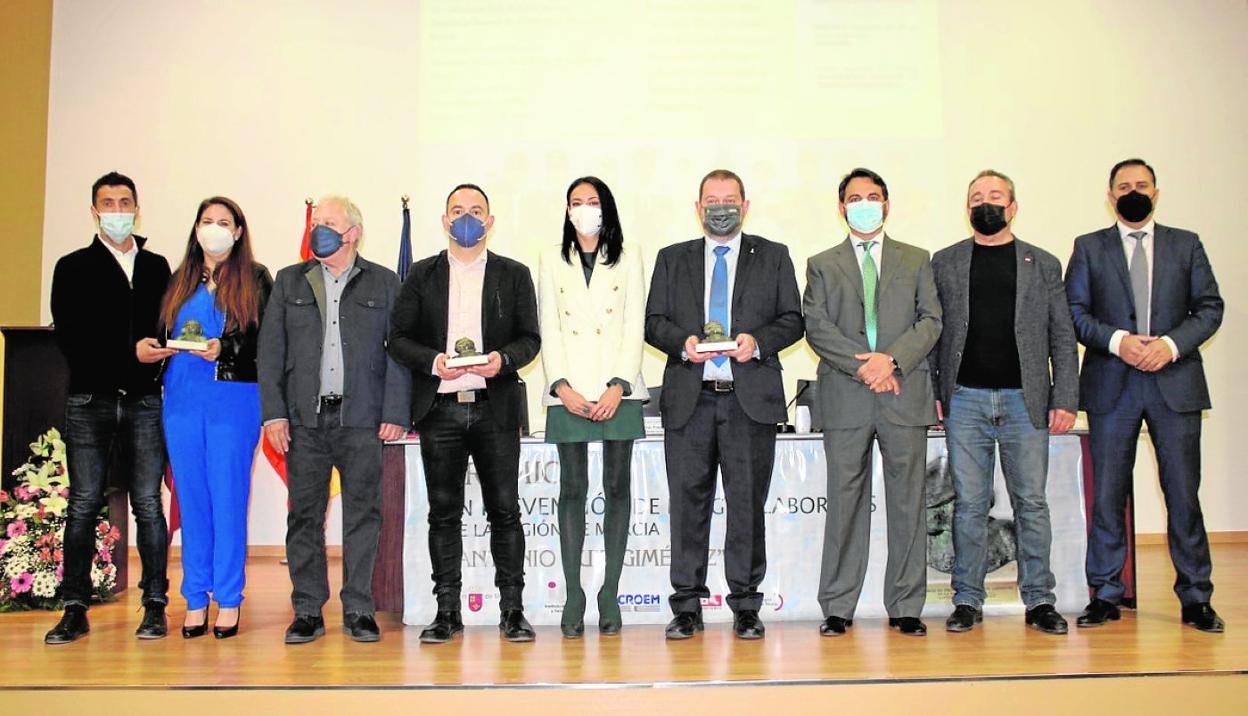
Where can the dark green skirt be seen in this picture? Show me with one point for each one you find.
(564, 427)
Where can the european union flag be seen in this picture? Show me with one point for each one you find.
(405, 245)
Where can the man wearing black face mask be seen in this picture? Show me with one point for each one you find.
(1007, 370)
(329, 397)
(720, 409)
(1144, 299)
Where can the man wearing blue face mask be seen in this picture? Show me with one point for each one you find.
(329, 398)
(461, 295)
(872, 317)
(105, 299)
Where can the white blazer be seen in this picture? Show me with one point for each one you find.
(591, 334)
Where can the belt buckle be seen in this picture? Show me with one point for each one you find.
(465, 396)
(722, 386)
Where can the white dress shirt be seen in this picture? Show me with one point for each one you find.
(877, 251)
(124, 258)
(1128, 248)
(463, 318)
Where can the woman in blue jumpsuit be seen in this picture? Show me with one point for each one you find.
(212, 409)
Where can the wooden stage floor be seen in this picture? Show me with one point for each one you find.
(1148, 642)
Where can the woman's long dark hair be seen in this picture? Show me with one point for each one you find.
(237, 293)
(610, 237)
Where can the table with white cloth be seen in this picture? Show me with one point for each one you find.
(795, 520)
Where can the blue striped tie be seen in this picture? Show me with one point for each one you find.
(718, 311)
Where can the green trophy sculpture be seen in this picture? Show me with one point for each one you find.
(466, 354)
(714, 340)
(190, 339)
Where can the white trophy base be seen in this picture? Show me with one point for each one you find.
(716, 347)
(465, 361)
(187, 345)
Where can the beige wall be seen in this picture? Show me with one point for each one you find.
(25, 52)
(273, 102)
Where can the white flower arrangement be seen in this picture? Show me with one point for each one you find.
(32, 532)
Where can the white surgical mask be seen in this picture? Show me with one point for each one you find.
(214, 239)
(864, 216)
(586, 218)
(117, 226)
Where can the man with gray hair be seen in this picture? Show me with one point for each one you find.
(329, 398)
(1007, 371)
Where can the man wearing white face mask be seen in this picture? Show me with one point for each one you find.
(872, 316)
(105, 297)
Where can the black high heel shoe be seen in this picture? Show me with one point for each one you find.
(227, 632)
(196, 631)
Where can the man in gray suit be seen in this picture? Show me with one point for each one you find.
(1006, 323)
(720, 409)
(872, 316)
(329, 397)
(1144, 300)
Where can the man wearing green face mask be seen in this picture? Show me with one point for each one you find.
(720, 409)
(105, 300)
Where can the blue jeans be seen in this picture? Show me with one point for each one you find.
(95, 426)
(979, 422)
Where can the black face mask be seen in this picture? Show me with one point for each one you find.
(1134, 206)
(988, 219)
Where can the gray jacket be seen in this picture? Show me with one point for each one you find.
(907, 326)
(376, 389)
(1043, 331)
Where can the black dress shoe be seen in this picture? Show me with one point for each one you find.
(154, 624)
(72, 626)
(514, 627)
(1045, 618)
(1097, 613)
(684, 626)
(1203, 618)
(747, 625)
(964, 618)
(361, 627)
(835, 626)
(910, 626)
(192, 632)
(305, 628)
(446, 624)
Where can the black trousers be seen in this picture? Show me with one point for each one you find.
(719, 435)
(449, 435)
(314, 452)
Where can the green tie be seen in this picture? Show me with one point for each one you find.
(868, 290)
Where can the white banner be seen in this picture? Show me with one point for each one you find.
(795, 520)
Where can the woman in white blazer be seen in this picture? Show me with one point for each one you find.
(592, 299)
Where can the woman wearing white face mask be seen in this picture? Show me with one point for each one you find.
(592, 300)
(212, 408)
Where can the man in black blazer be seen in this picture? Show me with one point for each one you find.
(329, 397)
(1144, 299)
(720, 410)
(468, 292)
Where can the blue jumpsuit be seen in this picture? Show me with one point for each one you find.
(211, 431)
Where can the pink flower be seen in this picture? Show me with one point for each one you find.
(3, 542)
(58, 556)
(17, 528)
(60, 571)
(64, 492)
(4, 496)
(22, 493)
(21, 583)
(45, 554)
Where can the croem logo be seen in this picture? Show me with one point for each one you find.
(640, 602)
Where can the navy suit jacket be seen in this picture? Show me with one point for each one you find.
(1186, 306)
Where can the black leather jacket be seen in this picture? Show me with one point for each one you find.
(237, 361)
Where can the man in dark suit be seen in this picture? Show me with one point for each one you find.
(1006, 324)
(469, 293)
(720, 409)
(105, 299)
(1144, 300)
(329, 397)
(872, 317)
